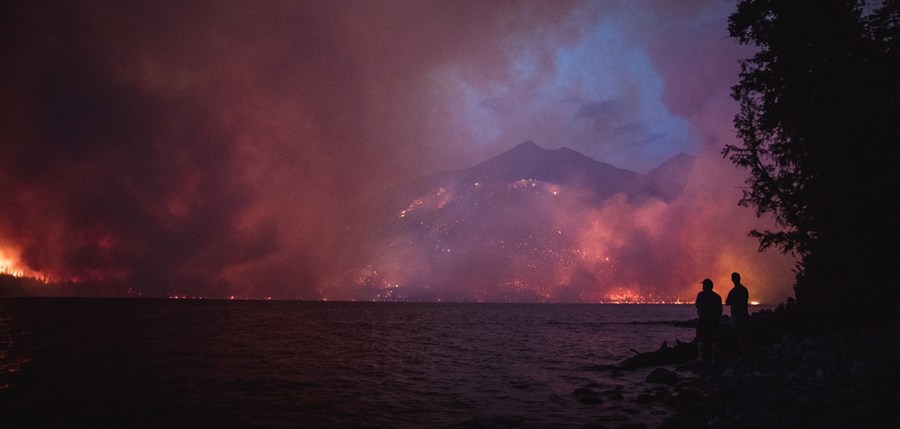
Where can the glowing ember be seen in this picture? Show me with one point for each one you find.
(624, 295)
(428, 202)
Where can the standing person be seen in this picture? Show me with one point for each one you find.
(709, 314)
(738, 299)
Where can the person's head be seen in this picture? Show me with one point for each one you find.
(707, 284)
(736, 277)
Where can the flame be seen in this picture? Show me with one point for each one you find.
(634, 295)
(11, 265)
(429, 202)
(624, 295)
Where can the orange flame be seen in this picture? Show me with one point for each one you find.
(11, 265)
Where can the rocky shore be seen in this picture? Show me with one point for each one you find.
(801, 371)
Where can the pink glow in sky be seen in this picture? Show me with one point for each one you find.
(233, 148)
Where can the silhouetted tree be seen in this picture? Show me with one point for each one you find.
(818, 122)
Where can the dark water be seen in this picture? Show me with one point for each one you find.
(212, 364)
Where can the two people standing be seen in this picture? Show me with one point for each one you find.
(709, 316)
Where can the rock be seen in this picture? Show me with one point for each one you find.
(671, 423)
(586, 396)
(662, 375)
(801, 375)
(644, 398)
(662, 395)
(665, 355)
(715, 423)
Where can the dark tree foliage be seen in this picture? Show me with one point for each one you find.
(819, 124)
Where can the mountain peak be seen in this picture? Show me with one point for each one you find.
(527, 145)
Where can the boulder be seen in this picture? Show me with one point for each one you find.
(662, 375)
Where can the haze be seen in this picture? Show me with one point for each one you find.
(241, 149)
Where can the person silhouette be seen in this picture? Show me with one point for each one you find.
(709, 315)
(738, 300)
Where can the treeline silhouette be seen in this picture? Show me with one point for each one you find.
(819, 117)
(24, 286)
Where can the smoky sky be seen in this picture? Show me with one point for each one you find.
(234, 148)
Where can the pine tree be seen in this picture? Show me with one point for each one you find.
(818, 122)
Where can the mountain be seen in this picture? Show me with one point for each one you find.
(563, 166)
(510, 229)
(665, 182)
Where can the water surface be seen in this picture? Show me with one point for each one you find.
(271, 364)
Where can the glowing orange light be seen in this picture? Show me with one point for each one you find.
(625, 295)
(11, 265)
(428, 202)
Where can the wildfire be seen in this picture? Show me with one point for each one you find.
(10, 266)
(523, 184)
(624, 296)
(634, 295)
(430, 202)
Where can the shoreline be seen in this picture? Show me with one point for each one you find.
(799, 372)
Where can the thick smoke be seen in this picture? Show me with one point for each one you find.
(224, 148)
(525, 230)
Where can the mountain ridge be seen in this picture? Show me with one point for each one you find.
(513, 229)
(563, 166)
